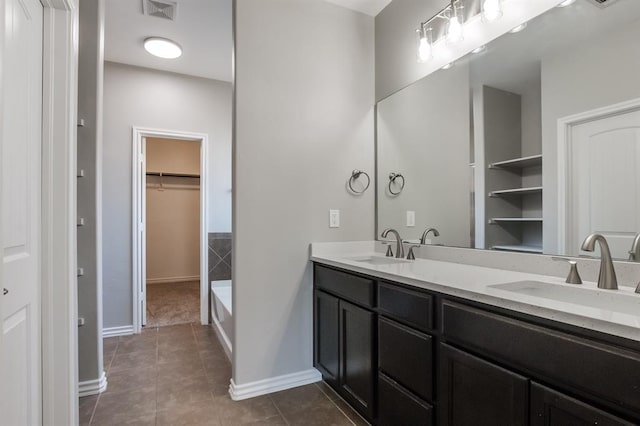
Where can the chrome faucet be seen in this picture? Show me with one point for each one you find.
(607, 277)
(399, 246)
(634, 253)
(423, 239)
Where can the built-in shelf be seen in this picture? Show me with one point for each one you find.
(519, 248)
(516, 219)
(518, 163)
(516, 191)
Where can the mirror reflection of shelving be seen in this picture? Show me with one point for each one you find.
(513, 174)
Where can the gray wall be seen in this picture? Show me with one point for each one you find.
(395, 43)
(423, 133)
(88, 202)
(304, 121)
(592, 76)
(156, 99)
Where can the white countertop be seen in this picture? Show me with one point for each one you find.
(474, 283)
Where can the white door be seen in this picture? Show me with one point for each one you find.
(21, 123)
(605, 196)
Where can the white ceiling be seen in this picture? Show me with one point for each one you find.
(370, 7)
(202, 28)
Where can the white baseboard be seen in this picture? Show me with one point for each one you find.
(223, 338)
(126, 330)
(173, 280)
(93, 387)
(274, 384)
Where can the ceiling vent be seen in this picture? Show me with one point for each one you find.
(603, 3)
(160, 9)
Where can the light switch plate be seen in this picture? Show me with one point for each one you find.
(334, 218)
(411, 218)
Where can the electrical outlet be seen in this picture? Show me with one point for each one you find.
(411, 218)
(334, 218)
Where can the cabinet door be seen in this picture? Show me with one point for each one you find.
(357, 340)
(551, 408)
(475, 392)
(327, 339)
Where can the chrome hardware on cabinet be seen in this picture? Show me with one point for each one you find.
(410, 254)
(5, 291)
(423, 239)
(574, 276)
(399, 246)
(607, 278)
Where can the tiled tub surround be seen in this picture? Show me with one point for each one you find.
(219, 256)
(448, 275)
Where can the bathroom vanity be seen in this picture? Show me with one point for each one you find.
(428, 343)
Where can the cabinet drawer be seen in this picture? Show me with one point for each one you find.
(609, 373)
(397, 407)
(407, 357)
(356, 289)
(411, 307)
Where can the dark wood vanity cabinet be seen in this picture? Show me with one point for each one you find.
(474, 392)
(344, 335)
(404, 356)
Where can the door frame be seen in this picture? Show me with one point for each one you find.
(565, 147)
(59, 280)
(138, 209)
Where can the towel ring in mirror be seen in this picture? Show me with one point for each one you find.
(355, 175)
(393, 177)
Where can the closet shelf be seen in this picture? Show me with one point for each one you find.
(494, 220)
(519, 248)
(181, 175)
(516, 191)
(518, 163)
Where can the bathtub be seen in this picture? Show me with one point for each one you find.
(222, 313)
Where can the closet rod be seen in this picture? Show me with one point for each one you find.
(182, 175)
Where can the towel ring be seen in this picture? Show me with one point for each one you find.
(354, 176)
(392, 179)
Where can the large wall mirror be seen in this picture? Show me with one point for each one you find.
(527, 145)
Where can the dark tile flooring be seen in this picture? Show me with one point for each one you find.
(179, 375)
(173, 303)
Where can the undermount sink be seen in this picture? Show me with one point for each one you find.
(610, 300)
(378, 260)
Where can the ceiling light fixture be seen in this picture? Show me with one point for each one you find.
(491, 10)
(518, 28)
(424, 44)
(162, 47)
(566, 3)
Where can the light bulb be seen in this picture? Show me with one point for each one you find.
(424, 50)
(454, 31)
(491, 10)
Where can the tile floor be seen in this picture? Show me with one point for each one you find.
(173, 303)
(179, 375)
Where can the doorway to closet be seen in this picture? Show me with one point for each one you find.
(170, 263)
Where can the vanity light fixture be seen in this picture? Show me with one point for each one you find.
(519, 28)
(162, 47)
(566, 3)
(491, 10)
(455, 32)
(424, 44)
